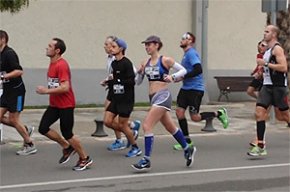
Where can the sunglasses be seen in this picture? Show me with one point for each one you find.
(185, 36)
(263, 45)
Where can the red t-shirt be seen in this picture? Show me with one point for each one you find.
(58, 72)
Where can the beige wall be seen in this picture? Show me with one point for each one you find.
(85, 24)
(235, 27)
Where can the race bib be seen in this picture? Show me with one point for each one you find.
(52, 83)
(118, 89)
(152, 72)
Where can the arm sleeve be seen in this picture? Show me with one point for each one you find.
(139, 78)
(195, 71)
(181, 71)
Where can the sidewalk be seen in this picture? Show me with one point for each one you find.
(241, 116)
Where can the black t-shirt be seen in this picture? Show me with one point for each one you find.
(124, 80)
(9, 62)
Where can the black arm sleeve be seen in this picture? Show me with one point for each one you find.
(195, 71)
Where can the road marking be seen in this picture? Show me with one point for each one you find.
(142, 175)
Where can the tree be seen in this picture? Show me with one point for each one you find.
(13, 6)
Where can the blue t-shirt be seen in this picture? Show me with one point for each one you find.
(190, 59)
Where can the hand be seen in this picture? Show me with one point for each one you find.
(168, 78)
(104, 82)
(260, 62)
(41, 90)
(141, 69)
(110, 77)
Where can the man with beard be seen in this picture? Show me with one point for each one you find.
(192, 90)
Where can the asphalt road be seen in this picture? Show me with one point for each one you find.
(221, 164)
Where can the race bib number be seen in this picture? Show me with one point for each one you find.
(152, 72)
(52, 83)
(118, 89)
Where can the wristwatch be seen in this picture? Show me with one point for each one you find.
(2, 77)
(173, 77)
(266, 64)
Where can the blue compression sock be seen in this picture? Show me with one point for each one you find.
(149, 140)
(178, 135)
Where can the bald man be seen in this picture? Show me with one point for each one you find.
(274, 90)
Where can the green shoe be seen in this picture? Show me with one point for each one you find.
(257, 151)
(178, 147)
(224, 119)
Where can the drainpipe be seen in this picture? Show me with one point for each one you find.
(200, 16)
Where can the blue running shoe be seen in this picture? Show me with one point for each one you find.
(134, 152)
(116, 146)
(189, 155)
(143, 165)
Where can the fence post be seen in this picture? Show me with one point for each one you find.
(99, 129)
(208, 125)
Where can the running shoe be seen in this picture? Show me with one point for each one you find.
(143, 165)
(27, 150)
(29, 129)
(178, 147)
(117, 145)
(134, 152)
(224, 119)
(189, 155)
(67, 153)
(83, 164)
(257, 151)
(137, 125)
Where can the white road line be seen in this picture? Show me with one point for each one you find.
(142, 175)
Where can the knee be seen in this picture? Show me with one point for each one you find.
(249, 91)
(282, 116)
(108, 123)
(67, 135)
(43, 130)
(179, 114)
(12, 120)
(146, 127)
(195, 117)
(260, 115)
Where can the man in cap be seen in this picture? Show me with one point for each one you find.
(123, 98)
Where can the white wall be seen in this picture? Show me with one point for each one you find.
(235, 28)
(84, 25)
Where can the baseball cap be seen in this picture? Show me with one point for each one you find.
(152, 38)
(121, 43)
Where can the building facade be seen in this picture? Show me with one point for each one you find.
(233, 29)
